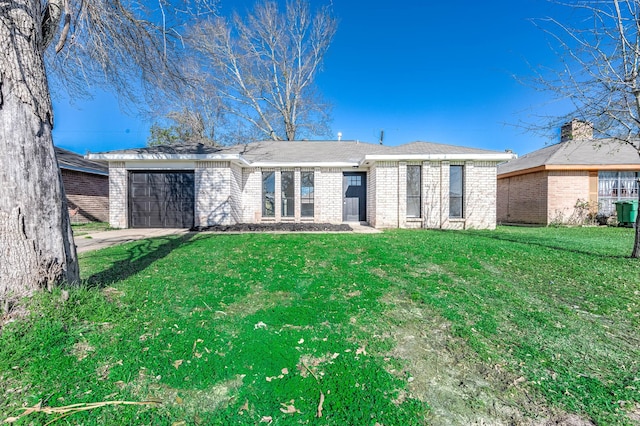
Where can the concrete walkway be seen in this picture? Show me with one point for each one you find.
(98, 240)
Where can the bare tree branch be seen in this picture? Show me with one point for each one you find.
(262, 67)
(600, 72)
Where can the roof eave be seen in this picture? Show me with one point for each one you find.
(84, 170)
(325, 164)
(164, 157)
(570, 167)
(498, 157)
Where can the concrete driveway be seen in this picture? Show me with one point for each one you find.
(99, 240)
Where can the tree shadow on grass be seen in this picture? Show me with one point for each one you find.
(545, 243)
(138, 257)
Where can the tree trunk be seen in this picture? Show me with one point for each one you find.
(636, 244)
(36, 241)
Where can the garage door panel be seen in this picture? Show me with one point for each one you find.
(161, 199)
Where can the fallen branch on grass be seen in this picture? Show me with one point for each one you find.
(319, 412)
(74, 408)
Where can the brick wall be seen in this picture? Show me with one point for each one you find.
(212, 193)
(565, 188)
(386, 195)
(523, 199)
(371, 195)
(227, 194)
(236, 194)
(87, 196)
(431, 193)
(118, 195)
(328, 189)
(388, 181)
(251, 210)
(480, 194)
(541, 197)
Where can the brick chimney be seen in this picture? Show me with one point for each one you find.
(576, 130)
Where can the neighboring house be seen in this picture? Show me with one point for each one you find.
(86, 185)
(546, 185)
(417, 185)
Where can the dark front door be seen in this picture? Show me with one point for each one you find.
(354, 205)
(161, 199)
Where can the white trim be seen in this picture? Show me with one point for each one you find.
(438, 157)
(84, 170)
(241, 161)
(159, 165)
(337, 164)
(167, 157)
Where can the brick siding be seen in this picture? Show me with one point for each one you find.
(541, 197)
(118, 195)
(565, 189)
(227, 194)
(213, 193)
(87, 196)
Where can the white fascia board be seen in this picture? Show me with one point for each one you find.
(439, 157)
(165, 157)
(84, 170)
(271, 165)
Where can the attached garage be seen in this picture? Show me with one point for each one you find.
(160, 199)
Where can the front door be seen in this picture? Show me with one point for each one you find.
(354, 205)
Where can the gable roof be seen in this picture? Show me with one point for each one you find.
(71, 161)
(591, 154)
(288, 153)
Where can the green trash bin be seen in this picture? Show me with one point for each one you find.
(627, 212)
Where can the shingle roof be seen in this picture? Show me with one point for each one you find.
(437, 148)
(72, 161)
(594, 152)
(265, 152)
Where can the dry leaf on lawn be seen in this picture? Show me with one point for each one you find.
(177, 363)
(319, 413)
(288, 407)
(245, 407)
(266, 419)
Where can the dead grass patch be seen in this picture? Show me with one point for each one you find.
(192, 401)
(460, 390)
(81, 350)
(257, 299)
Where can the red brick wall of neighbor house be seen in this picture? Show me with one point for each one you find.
(523, 199)
(87, 196)
(565, 189)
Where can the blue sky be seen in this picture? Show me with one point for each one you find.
(419, 70)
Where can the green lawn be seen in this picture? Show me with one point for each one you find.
(398, 328)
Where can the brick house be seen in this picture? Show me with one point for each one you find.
(558, 183)
(86, 185)
(417, 185)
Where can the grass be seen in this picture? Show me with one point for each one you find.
(404, 327)
(80, 229)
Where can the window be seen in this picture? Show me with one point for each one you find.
(268, 194)
(354, 180)
(413, 191)
(615, 186)
(288, 194)
(456, 191)
(306, 194)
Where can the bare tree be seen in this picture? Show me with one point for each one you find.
(187, 126)
(600, 75)
(121, 42)
(262, 68)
